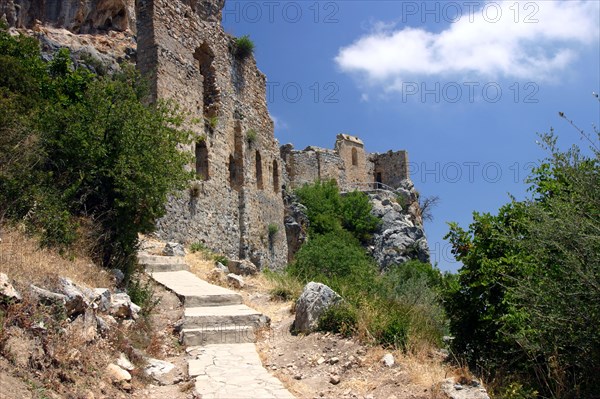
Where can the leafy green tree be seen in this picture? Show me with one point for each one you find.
(323, 202)
(526, 305)
(75, 145)
(355, 210)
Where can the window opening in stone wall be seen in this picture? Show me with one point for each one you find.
(232, 171)
(202, 160)
(378, 179)
(275, 177)
(354, 157)
(236, 167)
(259, 177)
(205, 57)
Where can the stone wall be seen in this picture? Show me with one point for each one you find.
(237, 195)
(349, 164)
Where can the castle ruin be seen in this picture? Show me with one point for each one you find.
(348, 164)
(235, 206)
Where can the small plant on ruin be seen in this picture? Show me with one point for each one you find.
(195, 188)
(244, 47)
(251, 136)
(273, 229)
(222, 259)
(212, 121)
(197, 247)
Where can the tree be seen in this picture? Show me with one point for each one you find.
(96, 151)
(527, 303)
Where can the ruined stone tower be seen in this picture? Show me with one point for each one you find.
(235, 204)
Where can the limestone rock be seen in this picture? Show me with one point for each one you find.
(76, 301)
(400, 236)
(101, 298)
(124, 363)
(174, 249)
(470, 390)
(235, 281)
(161, 371)
(116, 374)
(313, 301)
(7, 291)
(121, 307)
(388, 360)
(296, 224)
(48, 297)
(242, 267)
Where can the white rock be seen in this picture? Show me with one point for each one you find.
(235, 281)
(156, 368)
(7, 291)
(117, 374)
(388, 360)
(315, 299)
(124, 363)
(174, 249)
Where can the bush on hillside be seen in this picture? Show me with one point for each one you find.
(77, 145)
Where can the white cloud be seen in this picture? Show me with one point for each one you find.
(279, 123)
(476, 47)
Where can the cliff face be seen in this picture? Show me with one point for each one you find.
(78, 16)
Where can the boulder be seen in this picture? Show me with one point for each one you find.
(468, 390)
(7, 291)
(235, 281)
(116, 374)
(121, 307)
(174, 249)
(48, 297)
(162, 372)
(101, 298)
(313, 301)
(242, 267)
(77, 302)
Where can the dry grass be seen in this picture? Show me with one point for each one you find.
(22, 259)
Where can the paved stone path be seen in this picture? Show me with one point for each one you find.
(220, 333)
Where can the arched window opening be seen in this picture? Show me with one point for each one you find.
(205, 57)
(354, 157)
(259, 174)
(202, 161)
(276, 186)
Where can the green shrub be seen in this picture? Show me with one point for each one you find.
(142, 293)
(323, 202)
(222, 259)
(244, 47)
(336, 259)
(356, 215)
(251, 136)
(272, 230)
(341, 319)
(198, 247)
(286, 287)
(89, 147)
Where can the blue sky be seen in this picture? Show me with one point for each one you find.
(462, 86)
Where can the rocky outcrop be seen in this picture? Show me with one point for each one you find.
(81, 16)
(316, 298)
(401, 236)
(296, 224)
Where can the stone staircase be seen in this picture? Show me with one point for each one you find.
(219, 331)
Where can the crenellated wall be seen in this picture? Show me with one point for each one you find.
(237, 194)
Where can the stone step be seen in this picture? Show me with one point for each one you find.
(195, 292)
(206, 316)
(161, 264)
(224, 334)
